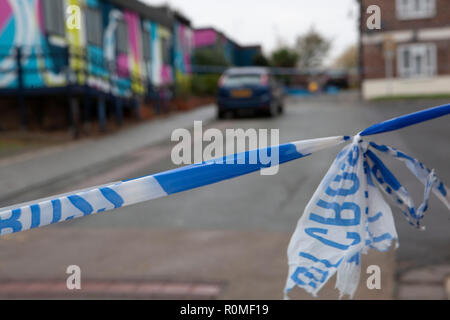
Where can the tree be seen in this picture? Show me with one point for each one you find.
(348, 59)
(260, 60)
(284, 58)
(205, 84)
(312, 48)
(210, 57)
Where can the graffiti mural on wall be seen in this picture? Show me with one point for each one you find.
(125, 66)
(134, 60)
(161, 71)
(110, 57)
(183, 49)
(54, 60)
(22, 25)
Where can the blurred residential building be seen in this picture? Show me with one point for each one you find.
(410, 54)
(124, 58)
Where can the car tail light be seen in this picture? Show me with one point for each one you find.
(264, 79)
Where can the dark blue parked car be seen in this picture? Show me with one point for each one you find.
(251, 88)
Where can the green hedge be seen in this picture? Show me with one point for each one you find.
(205, 84)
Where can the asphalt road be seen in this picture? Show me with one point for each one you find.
(233, 235)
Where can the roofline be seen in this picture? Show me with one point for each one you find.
(255, 46)
(163, 15)
(206, 28)
(182, 18)
(218, 32)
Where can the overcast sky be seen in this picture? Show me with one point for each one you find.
(268, 22)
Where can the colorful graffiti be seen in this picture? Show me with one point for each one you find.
(160, 66)
(22, 25)
(54, 60)
(183, 49)
(76, 41)
(135, 60)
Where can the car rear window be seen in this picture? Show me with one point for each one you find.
(242, 79)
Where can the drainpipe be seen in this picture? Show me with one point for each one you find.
(360, 55)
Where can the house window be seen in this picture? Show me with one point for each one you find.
(146, 45)
(416, 60)
(94, 26)
(54, 17)
(415, 9)
(122, 37)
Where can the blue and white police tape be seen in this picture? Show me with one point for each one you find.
(120, 194)
(347, 214)
(345, 218)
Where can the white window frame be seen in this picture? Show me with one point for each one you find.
(415, 9)
(422, 60)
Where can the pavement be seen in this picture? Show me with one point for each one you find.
(226, 241)
(425, 283)
(19, 172)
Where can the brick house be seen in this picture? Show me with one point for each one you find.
(410, 55)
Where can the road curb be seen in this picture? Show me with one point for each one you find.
(431, 282)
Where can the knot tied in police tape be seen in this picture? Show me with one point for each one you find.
(346, 216)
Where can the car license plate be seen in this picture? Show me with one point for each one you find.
(242, 93)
